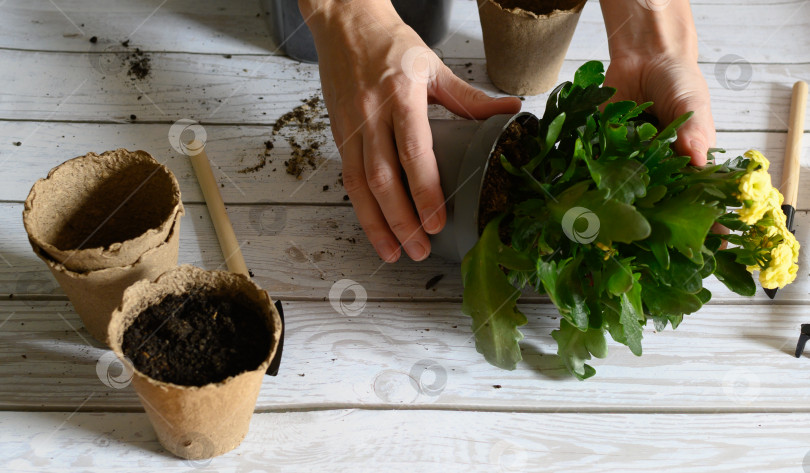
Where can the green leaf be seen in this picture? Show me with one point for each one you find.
(491, 301)
(734, 275)
(617, 221)
(619, 276)
(624, 179)
(631, 318)
(688, 222)
(668, 301)
(590, 73)
(575, 347)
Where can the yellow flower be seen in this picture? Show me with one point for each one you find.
(757, 196)
(781, 270)
(791, 241)
(756, 158)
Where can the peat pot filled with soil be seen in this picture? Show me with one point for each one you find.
(199, 343)
(102, 222)
(475, 190)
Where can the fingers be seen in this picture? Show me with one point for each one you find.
(383, 174)
(697, 135)
(415, 148)
(465, 100)
(364, 203)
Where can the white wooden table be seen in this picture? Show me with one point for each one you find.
(722, 393)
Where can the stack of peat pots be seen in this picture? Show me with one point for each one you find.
(107, 226)
(101, 223)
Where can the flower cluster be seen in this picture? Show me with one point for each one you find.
(773, 248)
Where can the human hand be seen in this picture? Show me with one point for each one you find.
(653, 58)
(675, 86)
(378, 78)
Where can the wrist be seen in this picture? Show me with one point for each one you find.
(637, 29)
(345, 15)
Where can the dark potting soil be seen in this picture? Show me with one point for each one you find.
(539, 7)
(196, 339)
(495, 191)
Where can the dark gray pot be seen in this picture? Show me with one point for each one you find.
(429, 18)
(462, 149)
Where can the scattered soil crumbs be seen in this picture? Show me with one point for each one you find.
(196, 339)
(515, 145)
(139, 64)
(262, 159)
(305, 130)
(433, 281)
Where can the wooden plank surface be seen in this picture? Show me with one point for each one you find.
(725, 27)
(258, 89)
(407, 441)
(235, 149)
(411, 355)
(300, 251)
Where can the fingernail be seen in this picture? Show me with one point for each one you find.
(699, 147)
(430, 221)
(387, 251)
(415, 250)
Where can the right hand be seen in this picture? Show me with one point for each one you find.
(378, 78)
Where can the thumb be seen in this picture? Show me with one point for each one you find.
(465, 100)
(697, 135)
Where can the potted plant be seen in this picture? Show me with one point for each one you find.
(595, 210)
(525, 41)
(198, 344)
(102, 222)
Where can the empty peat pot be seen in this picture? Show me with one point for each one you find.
(102, 222)
(199, 343)
(463, 149)
(525, 41)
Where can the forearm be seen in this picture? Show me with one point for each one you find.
(650, 28)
